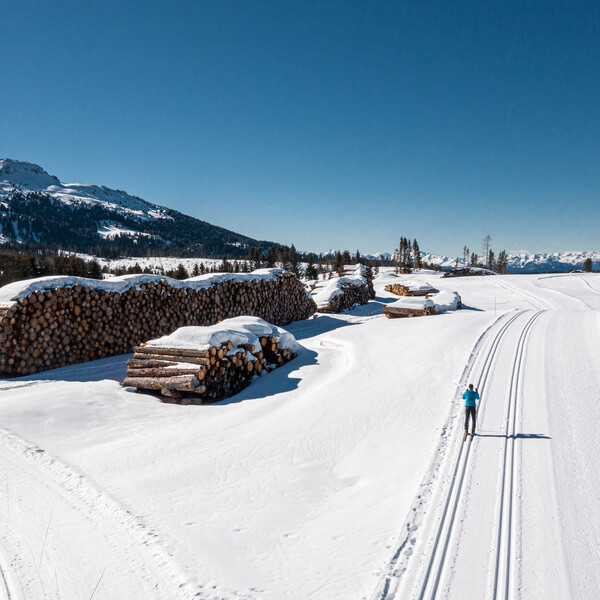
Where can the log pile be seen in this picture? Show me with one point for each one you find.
(408, 289)
(409, 307)
(206, 374)
(355, 286)
(69, 323)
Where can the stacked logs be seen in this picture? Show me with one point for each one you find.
(202, 376)
(401, 289)
(350, 295)
(355, 286)
(409, 309)
(62, 326)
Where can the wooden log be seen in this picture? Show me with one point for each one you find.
(173, 358)
(175, 351)
(183, 383)
(135, 363)
(163, 372)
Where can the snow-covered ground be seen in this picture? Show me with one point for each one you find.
(342, 475)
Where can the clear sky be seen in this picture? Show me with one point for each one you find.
(326, 124)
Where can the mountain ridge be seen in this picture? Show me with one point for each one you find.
(37, 209)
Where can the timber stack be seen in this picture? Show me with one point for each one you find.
(410, 289)
(52, 322)
(353, 286)
(409, 307)
(216, 363)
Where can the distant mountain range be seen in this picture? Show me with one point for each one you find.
(518, 262)
(38, 210)
(522, 262)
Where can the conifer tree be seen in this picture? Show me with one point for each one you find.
(502, 262)
(271, 257)
(294, 264)
(196, 270)
(94, 270)
(490, 260)
(357, 258)
(338, 262)
(311, 271)
(180, 272)
(418, 262)
(587, 264)
(474, 259)
(225, 266)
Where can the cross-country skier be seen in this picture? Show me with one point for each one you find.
(470, 408)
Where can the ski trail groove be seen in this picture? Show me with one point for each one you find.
(389, 583)
(505, 524)
(8, 589)
(134, 543)
(437, 564)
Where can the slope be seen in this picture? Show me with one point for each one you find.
(37, 209)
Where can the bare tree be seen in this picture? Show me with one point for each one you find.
(485, 245)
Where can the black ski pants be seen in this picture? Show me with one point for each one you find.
(470, 410)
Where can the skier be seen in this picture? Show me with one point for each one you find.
(470, 409)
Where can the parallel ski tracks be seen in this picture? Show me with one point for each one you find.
(430, 581)
(504, 555)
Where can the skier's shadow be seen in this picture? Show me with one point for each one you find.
(523, 436)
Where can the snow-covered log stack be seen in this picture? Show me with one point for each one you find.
(410, 288)
(56, 321)
(203, 364)
(409, 307)
(341, 293)
(412, 306)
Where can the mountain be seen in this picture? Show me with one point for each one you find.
(38, 210)
(523, 262)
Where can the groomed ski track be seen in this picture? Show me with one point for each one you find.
(464, 535)
(478, 371)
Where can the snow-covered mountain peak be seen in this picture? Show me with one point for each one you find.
(19, 174)
(28, 177)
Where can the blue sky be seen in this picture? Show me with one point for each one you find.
(325, 124)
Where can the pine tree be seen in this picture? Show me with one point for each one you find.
(490, 260)
(474, 259)
(180, 272)
(502, 262)
(587, 264)
(311, 271)
(408, 257)
(225, 266)
(94, 270)
(357, 258)
(465, 255)
(418, 262)
(338, 262)
(196, 270)
(346, 258)
(294, 265)
(271, 257)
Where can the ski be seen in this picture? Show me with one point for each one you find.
(466, 433)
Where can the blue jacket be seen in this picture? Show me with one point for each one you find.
(470, 396)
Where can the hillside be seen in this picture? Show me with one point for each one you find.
(37, 209)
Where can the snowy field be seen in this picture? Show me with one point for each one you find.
(342, 475)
